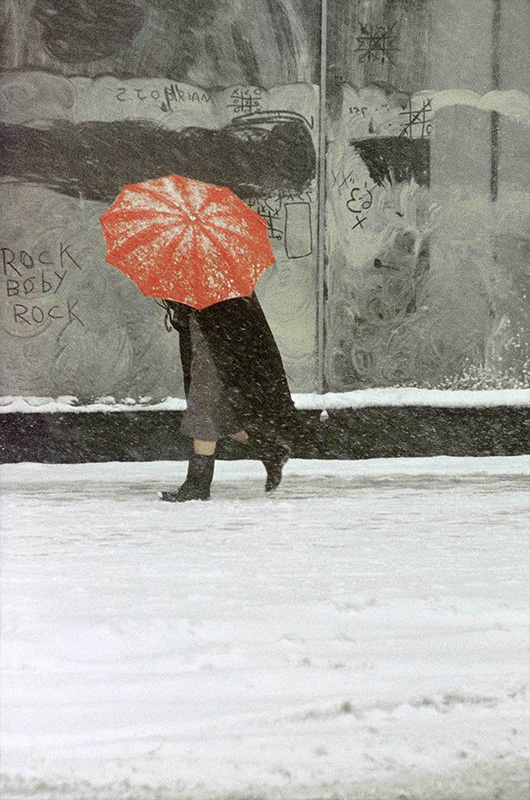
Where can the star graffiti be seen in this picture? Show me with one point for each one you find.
(376, 43)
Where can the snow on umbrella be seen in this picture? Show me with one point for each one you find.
(185, 240)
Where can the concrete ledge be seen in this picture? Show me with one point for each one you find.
(372, 432)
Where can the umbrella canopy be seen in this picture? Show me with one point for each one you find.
(185, 240)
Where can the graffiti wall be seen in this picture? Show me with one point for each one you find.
(427, 204)
(80, 324)
(99, 95)
(426, 183)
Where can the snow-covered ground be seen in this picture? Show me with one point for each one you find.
(397, 397)
(363, 633)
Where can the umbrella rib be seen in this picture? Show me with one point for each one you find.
(129, 214)
(228, 255)
(136, 239)
(243, 238)
(172, 247)
(159, 197)
(250, 213)
(185, 281)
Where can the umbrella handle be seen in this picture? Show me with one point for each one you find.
(167, 316)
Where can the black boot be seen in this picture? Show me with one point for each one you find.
(273, 456)
(274, 463)
(197, 483)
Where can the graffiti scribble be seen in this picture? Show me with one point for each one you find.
(245, 101)
(376, 44)
(364, 199)
(418, 118)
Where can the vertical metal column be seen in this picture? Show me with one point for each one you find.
(321, 200)
(496, 82)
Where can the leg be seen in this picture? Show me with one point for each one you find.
(201, 447)
(240, 436)
(199, 477)
(273, 460)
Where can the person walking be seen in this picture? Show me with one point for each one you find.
(235, 386)
(203, 249)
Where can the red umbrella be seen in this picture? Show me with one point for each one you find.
(187, 241)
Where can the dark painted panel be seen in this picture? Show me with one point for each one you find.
(358, 434)
(208, 43)
(94, 160)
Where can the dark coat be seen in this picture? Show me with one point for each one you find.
(248, 363)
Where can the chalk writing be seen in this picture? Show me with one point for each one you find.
(288, 218)
(359, 111)
(418, 121)
(298, 235)
(32, 281)
(18, 262)
(376, 44)
(44, 283)
(307, 197)
(269, 208)
(342, 180)
(360, 197)
(165, 98)
(359, 223)
(174, 95)
(31, 315)
(245, 101)
(360, 200)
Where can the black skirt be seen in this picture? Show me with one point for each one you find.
(249, 367)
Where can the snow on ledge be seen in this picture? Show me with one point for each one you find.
(410, 396)
(364, 398)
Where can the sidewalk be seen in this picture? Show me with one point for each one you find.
(360, 634)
